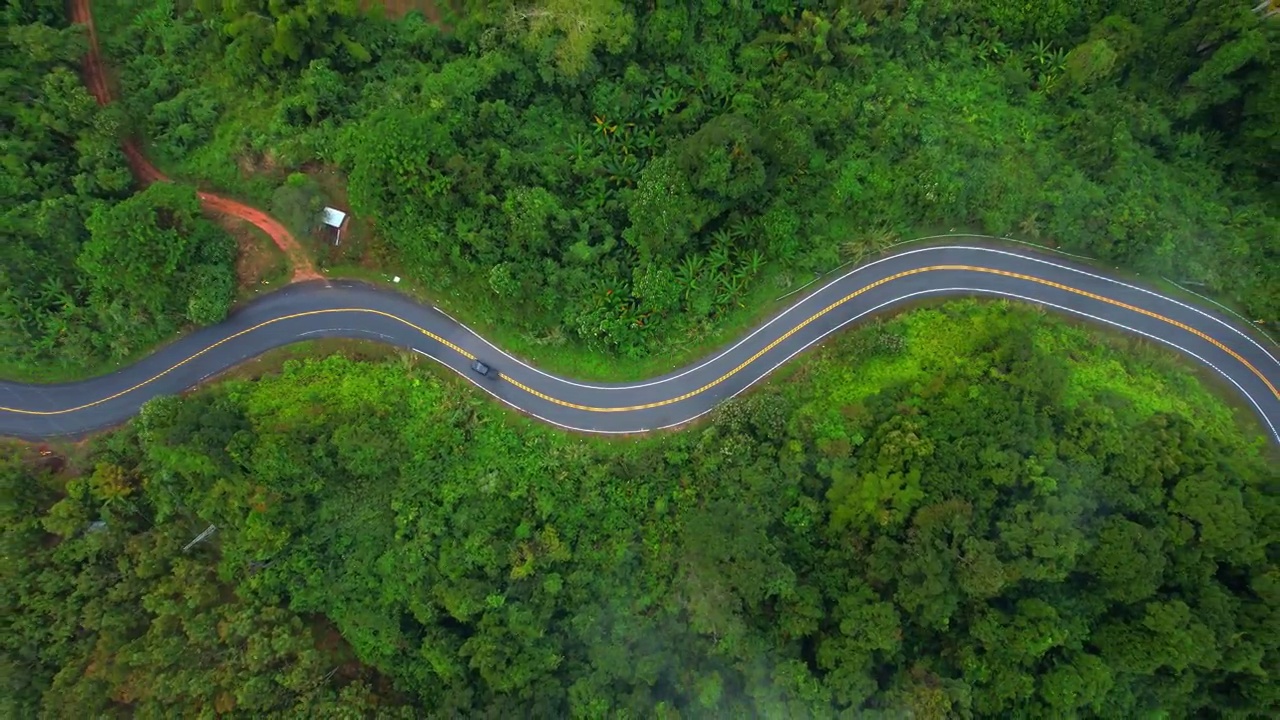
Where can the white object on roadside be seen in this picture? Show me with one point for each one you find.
(333, 217)
(395, 279)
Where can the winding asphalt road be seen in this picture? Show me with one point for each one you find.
(353, 310)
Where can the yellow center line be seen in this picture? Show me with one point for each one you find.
(228, 339)
(669, 401)
(856, 293)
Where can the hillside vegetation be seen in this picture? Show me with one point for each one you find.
(970, 511)
(621, 175)
(91, 268)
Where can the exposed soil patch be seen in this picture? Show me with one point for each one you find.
(260, 164)
(260, 266)
(302, 267)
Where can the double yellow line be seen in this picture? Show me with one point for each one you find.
(228, 339)
(872, 286)
(670, 401)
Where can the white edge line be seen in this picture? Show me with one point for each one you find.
(837, 328)
(1246, 320)
(1152, 293)
(855, 318)
(521, 410)
(839, 279)
(833, 282)
(1038, 246)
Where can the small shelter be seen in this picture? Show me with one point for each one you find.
(334, 218)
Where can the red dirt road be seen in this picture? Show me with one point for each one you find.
(96, 81)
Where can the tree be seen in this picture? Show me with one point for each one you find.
(156, 256)
(577, 27)
(298, 203)
(271, 35)
(664, 212)
(1090, 63)
(1128, 560)
(722, 160)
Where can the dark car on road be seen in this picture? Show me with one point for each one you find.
(481, 368)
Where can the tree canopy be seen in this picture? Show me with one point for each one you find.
(542, 158)
(971, 510)
(942, 515)
(90, 270)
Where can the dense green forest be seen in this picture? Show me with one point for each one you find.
(967, 511)
(974, 510)
(90, 270)
(620, 174)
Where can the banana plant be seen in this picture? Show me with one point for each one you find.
(603, 292)
(730, 291)
(603, 127)
(662, 102)
(646, 139)
(990, 50)
(622, 171)
(579, 147)
(1041, 52)
(121, 346)
(13, 309)
(51, 292)
(719, 257)
(778, 53)
(721, 237)
(596, 195)
(55, 325)
(1058, 61)
(721, 97)
(689, 272)
(752, 264)
(625, 141)
(1046, 82)
(741, 228)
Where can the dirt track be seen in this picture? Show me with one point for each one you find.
(95, 80)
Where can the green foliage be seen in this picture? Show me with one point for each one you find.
(88, 272)
(538, 156)
(213, 291)
(298, 203)
(946, 513)
(274, 34)
(137, 242)
(1020, 21)
(574, 28)
(115, 617)
(721, 160)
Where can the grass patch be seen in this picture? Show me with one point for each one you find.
(938, 339)
(260, 264)
(272, 361)
(60, 371)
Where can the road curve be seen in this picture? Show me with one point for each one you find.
(354, 310)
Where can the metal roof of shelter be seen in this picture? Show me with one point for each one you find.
(333, 217)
